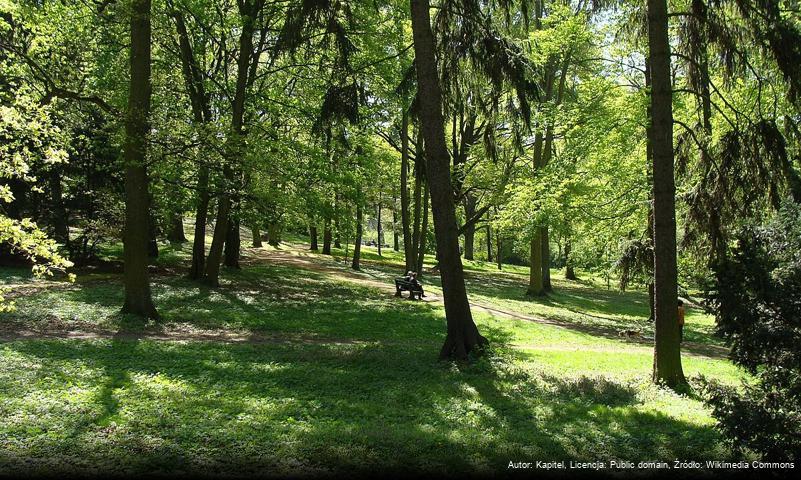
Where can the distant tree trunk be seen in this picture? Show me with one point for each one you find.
(545, 233)
(232, 244)
(462, 335)
(214, 259)
(421, 251)
(256, 236)
(489, 240)
(199, 241)
(667, 354)
(201, 112)
(395, 239)
(570, 273)
(327, 237)
(248, 11)
(546, 260)
(498, 256)
(416, 215)
(380, 232)
(176, 234)
(274, 233)
(138, 300)
(337, 242)
(470, 231)
(408, 249)
(535, 287)
(357, 245)
(313, 238)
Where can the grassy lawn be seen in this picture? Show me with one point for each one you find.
(343, 379)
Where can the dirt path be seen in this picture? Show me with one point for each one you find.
(331, 268)
(341, 271)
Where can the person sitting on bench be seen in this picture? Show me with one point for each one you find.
(414, 281)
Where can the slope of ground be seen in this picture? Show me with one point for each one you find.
(295, 364)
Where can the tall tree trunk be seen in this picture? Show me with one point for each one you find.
(313, 238)
(337, 242)
(256, 236)
(416, 216)
(470, 231)
(198, 267)
(274, 233)
(395, 236)
(667, 354)
(201, 112)
(570, 273)
(463, 336)
(546, 259)
(232, 244)
(535, 287)
(421, 245)
(327, 237)
(357, 245)
(138, 300)
(499, 255)
(212, 274)
(176, 234)
(248, 10)
(489, 240)
(408, 248)
(380, 232)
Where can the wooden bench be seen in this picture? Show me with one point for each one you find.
(402, 284)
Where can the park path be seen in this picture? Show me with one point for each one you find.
(341, 271)
(332, 268)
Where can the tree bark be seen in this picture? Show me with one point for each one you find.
(256, 236)
(570, 273)
(248, 10)
(421, 248)
(470, 231)
(535, 287)
(462, 334)
(489, 240)
(395, 236)
(667, 354)
(232, 244)
(416, 215)
(274, 233)
(380, 232)
(408, 249)
(176, 234)
(201, 112)
(138, 300)
(313, 238)
(357, 245)
(327, 237)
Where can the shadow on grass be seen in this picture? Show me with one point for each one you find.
(342, 408)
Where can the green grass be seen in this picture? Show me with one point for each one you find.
(350, 383)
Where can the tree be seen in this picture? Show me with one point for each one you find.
(755, 298)
(463, 336)
(138, 300)
(667, 353)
